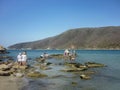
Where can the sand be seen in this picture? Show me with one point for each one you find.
(11, 83)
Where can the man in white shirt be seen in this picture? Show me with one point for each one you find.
(24, 58)
(19, 59)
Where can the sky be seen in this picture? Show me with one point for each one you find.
(31, 20)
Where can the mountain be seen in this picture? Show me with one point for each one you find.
(80, 38)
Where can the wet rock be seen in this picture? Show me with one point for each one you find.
(73, 69)
(45, 68)
(83, 66)
(86, 77)
(48, 63)
(40, 60)
(58, 76)
(94, 64)
(74, 83)
(36, 75)
(87, 72)
(57, 56)
(77, 65)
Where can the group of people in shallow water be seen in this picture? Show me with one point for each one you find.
(69, 54)
(44, 55)
(22, 59)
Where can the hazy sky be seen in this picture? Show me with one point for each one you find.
(29, 20)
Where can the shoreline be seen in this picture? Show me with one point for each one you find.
(64, 49)
(11, 83)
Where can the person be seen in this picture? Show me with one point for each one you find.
(69, 54)
(41, 56)
(24, 58)
(66, 52)
(73, 55)
(46, 55)
(19, 59)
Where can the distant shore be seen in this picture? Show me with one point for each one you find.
(74, 49)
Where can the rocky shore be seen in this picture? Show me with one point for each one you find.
(84, 71)
(10, 71)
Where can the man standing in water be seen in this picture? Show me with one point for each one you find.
(24, 58)
(19, 59)
(66, 52)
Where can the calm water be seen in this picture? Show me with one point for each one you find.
(107, 78)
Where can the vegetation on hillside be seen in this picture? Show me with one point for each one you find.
(80, 38)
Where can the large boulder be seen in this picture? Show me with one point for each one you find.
(2, 50)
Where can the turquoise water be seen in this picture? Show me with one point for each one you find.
(107, 78)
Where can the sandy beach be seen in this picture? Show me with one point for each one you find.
(11, 83)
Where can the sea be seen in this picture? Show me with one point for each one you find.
(105, 78)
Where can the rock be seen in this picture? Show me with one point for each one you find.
(57, 56)
(2, 50)
(77, 65)
(74, 83)
(49, 63)
(83, 66)
(5, 73)
(12, 70)
(19, 75)
(36, 75)
(20, 67)
(45, 68)
(58, 76)
(73, 69)
(15, 66)
(94, 65)
(87, 72)
(23, 67)
(86, 77)
(40, 60)
(5, 67)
